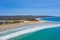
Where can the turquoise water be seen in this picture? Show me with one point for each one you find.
(46, 34)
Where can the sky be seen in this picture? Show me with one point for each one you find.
(30, 7)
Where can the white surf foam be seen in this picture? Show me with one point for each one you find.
(27, 31)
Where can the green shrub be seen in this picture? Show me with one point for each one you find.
(31, 19)
(16, 21)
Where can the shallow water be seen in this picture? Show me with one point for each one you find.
(46, 34)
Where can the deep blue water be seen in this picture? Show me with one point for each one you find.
(52, 19)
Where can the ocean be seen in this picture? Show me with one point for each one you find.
(45, 34)
(57, 19)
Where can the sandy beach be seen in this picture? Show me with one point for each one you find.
(5, 27)
(30, 29)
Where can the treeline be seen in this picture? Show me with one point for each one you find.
(20, 17)
(11, 22)
(17, 19)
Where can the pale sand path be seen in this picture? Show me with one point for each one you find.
(18, 25)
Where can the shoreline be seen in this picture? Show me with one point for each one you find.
(31, 30)
(5, 27)
(31, 26)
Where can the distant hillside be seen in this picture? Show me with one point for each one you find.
(20, 17)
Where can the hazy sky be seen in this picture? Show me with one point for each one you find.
(30, 7)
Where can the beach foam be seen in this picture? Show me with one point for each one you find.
(27, 31)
